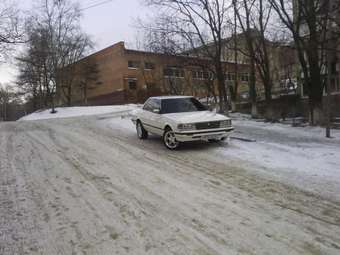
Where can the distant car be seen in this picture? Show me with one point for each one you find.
(180, 119)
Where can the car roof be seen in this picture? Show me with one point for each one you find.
(170, 97)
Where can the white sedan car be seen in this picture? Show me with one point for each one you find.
(180, 119)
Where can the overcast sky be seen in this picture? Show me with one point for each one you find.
(107, 24)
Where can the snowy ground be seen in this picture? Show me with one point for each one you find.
(87, 185)
(67, 112)
(297, 155)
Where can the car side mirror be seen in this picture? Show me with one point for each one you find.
(156, 110)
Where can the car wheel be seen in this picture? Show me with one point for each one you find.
(170, 140)
(141, 132)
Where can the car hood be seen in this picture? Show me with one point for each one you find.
(193, 117)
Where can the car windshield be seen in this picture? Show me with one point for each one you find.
(176, 105)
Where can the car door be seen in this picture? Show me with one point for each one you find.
(151, 117)
(156, 117)
(144, 115)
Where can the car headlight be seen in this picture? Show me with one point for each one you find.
(225, 123)
(188, 126)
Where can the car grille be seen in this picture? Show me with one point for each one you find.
(208, 125)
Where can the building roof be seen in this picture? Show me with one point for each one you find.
(184, 56)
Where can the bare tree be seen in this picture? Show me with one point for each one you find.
(56, 41)
(309, 22)
(202, 24)
(29, 84)
(75, 49)
(88, 77)
(7, 95)
(10, 27)
(243, 12)
(34, 75)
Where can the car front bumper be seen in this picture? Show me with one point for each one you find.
(218, 134)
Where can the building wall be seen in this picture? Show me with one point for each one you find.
(131, 76)
(110, 63)
(283, 64)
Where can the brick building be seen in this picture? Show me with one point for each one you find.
(130, 76)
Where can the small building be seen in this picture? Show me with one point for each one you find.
(123, 75)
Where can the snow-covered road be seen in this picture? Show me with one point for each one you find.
(88, 186)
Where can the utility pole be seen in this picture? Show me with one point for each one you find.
(328, 96)
(235, 57)
(330, 44)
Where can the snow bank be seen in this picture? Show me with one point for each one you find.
(290, 131)
(67, 112)
(298, 155)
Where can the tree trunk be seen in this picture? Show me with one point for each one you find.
(254, 112)
(233, 95)
(268, 90)
(220, 99)
(69, 95)
(252, 89)
(5, 110)
(233, 106)
(85, 96)
(316, 114)
(271, 114)
(315, 98)
(221, 88)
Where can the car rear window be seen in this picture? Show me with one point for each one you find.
(176, 105)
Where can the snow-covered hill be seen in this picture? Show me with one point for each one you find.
(67, 112)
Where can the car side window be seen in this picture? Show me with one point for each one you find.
(147, 105)
(156, 105)
(151, 105)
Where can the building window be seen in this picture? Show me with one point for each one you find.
(133, 64)
(151, 86)
(230, 76)
(149, 66)
(175, 72)
(244, 77)
(132, 84)
(201, 75)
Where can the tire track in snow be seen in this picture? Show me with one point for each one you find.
(124, 196)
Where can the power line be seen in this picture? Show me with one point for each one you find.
(95, 5)
(91, 2)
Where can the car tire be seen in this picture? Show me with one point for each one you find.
(169, 139)
(141, 132)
